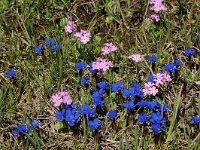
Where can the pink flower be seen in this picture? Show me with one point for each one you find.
(155, 17)
(62, 97)
(136, 57)
(70, 27)
(108, 48)
(149, 89)
(83, 36)
(157, 5)
(161, 78)
(102, 65)
(198, 83)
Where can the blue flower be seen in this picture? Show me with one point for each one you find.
(170, 68)
(56, 47)
(196, 119)
(117, 86)
(135, 90)
(164, 108)
(150, 78)
(94, 124)
(39, 49)
(60, 115)
(98, 98)
(152, 105)
(158, 127)
(87, 110)
(157, 117)
(142, 117)
(190, 52)
(103, 85)
(11, 73)
(80, 66)
(152, 58)
(85, 80)
(177, 62)
(126, 93)
(23, 128)
(129, 105)
(72, 116)
(15, 131)
(112, 114)
(35, 123)
(49, 41)
(142, 103)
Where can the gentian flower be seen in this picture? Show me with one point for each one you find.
(164, 108)
(196, 119)
(152, 58)
(35, 123)
(94, 124)
(142, 103)
(23, 128)
(49, 41)
(152, 105)
(39, 49)
(158, 127)
(72, 116)
(112, 114)
(60, 115)
(129, 105)
(56, 47)
(135, 90)
(157, 117)
(87, 110)
(190, 52)
(15, 131)
(85, 80)
(117, 86)
(103, 85)
(98, 98)
(80, 66)
(151, 78)
(11, 73)
(177, 62)
(171, 68)
(142, 117)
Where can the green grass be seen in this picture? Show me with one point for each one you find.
(24, 25)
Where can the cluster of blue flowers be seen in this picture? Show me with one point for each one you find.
(23, 128)
(47, 42)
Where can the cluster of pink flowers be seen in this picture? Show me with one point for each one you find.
(198, 82)
(83, 36)
(155, 17)
(108, 48)
(102, 65)
(150, 89)
(158, 5)
(62, 97)
(70, 27)
(161, 78)
(136, 57)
